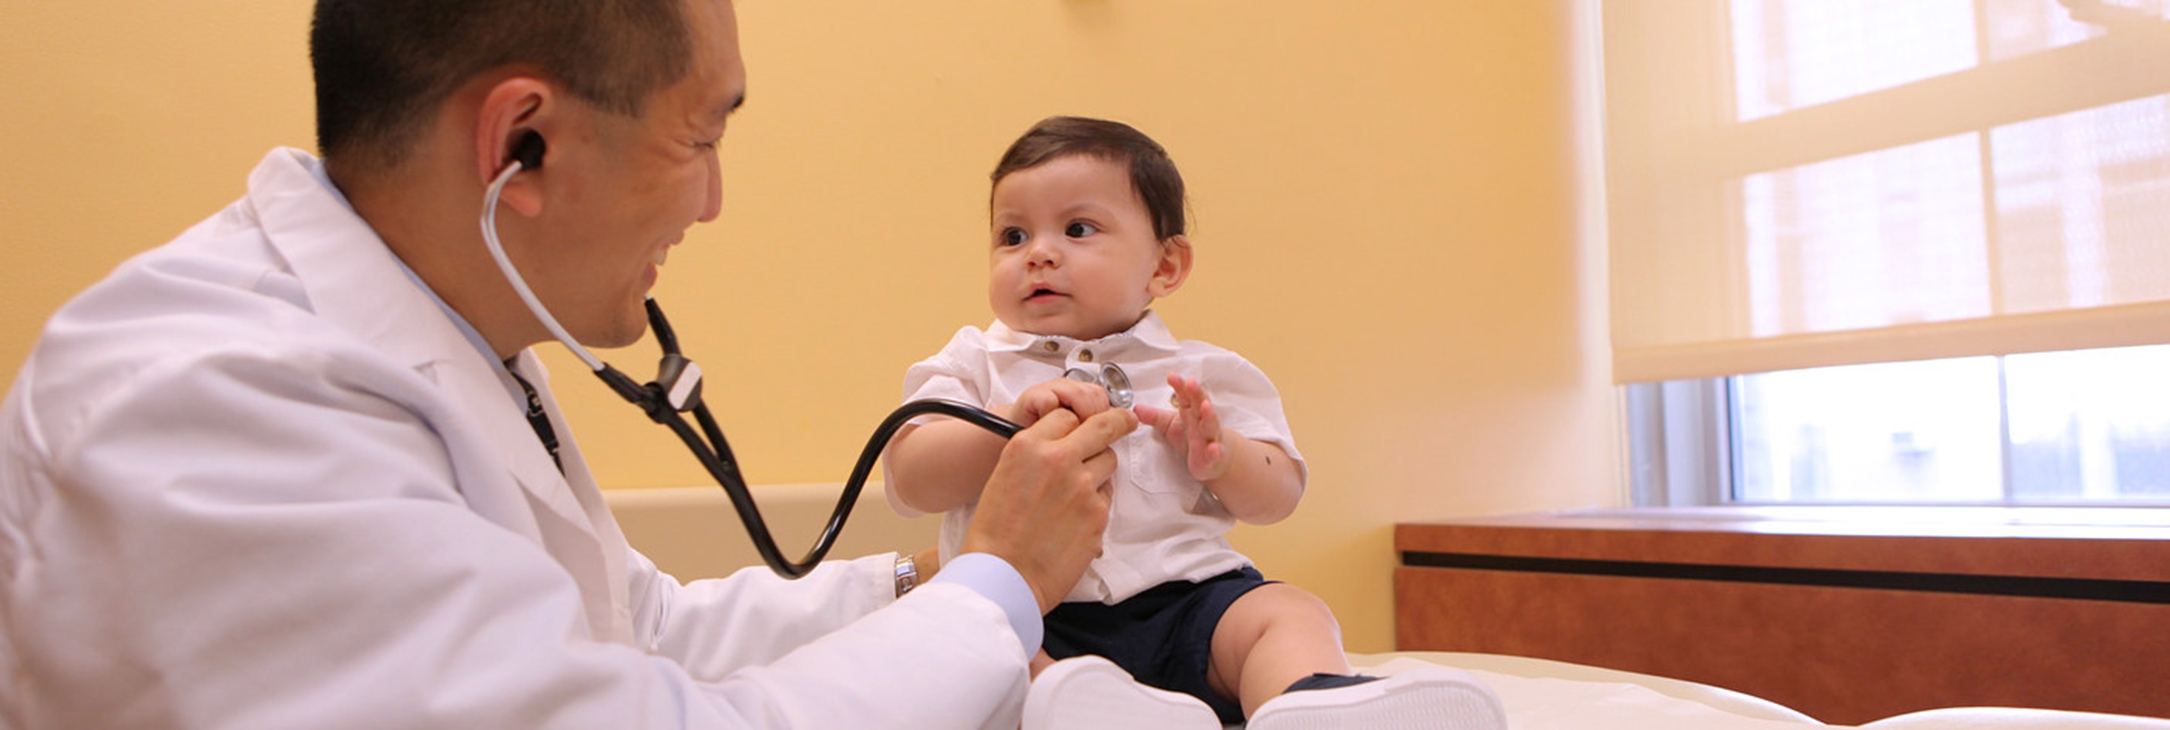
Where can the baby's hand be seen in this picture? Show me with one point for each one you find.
(1193, 428)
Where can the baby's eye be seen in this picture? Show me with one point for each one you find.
(1011, 237)
(1080, 229)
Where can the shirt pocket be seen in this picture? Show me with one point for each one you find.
(1151, 466)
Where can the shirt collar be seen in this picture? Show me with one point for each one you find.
(1149, 332)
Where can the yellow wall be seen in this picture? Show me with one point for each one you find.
(1384, 198)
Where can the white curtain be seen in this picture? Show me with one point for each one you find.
(1803, 183)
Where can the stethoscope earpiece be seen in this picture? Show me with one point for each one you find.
(529, 151)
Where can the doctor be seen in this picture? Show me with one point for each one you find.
(284, 471)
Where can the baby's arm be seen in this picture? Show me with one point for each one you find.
(1255, 480)
(942, 464)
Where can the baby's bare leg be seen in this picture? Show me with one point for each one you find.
(1271, 637)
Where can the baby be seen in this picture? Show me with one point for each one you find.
(1088, 230)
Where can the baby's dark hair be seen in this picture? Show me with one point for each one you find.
(1152, 173)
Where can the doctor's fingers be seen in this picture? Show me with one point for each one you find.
(1099, 472)
(1061, 452)
(1064, 431)
(1084, 399)
(1102, 430)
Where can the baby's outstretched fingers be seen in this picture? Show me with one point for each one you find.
(1158, 419)
(1185, 393)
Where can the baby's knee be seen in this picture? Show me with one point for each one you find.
(1281, 603)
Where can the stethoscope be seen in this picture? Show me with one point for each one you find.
(677, 390)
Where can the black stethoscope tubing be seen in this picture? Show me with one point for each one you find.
(677, 389)
(714, 453)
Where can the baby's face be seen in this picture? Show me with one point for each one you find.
(1073, 249)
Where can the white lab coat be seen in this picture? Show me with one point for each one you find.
(257, 479)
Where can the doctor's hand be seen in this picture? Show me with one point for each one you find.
(1046, 504)
(1083, 399)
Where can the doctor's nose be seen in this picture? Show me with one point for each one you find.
(713, 205)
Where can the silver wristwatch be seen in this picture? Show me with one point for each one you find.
(907, 574)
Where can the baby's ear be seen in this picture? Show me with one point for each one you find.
(1173, 269)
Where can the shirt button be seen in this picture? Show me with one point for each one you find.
(1084, 356)
(1049, 345)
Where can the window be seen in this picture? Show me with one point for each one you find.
(2086, 427)
(1878, 252)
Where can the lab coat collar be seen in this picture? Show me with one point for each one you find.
(351, 278)
(355, 282)
(1150, 332)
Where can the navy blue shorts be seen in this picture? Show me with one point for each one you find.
(1163, 636)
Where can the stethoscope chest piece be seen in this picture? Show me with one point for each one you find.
(1110, 378)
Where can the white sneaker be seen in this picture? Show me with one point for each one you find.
(1426, 698)
(1091, 693)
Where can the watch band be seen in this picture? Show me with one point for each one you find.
(907, 574)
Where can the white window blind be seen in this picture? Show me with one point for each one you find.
(1804, 183)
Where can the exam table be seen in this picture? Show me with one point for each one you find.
(691, 532)
(1540, 694)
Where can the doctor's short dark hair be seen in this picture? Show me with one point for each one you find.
(384, 66)
(1152, 173)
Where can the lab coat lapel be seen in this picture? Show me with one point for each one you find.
(603, 526)
(563, 524)
(353, 281)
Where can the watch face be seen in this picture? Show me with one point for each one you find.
(907, 574)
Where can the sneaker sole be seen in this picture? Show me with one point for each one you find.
(1423, 701)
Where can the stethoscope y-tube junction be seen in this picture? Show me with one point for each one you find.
(677, 390)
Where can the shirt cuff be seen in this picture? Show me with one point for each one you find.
(993, 577)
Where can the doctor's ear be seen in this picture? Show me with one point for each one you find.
(527, 153)
(1173, 269)
(508, 132)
